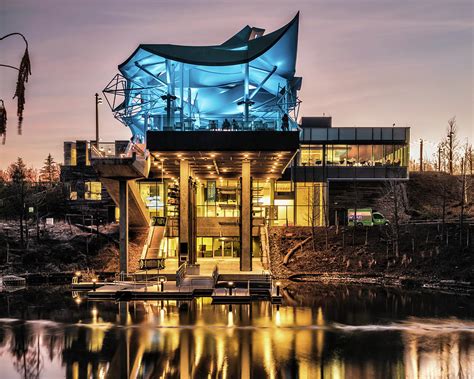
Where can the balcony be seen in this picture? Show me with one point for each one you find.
(222, 124)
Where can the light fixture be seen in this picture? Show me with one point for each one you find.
(208, 167)
(213, 155)
(246, 155)
(224, 170)
(180, 155)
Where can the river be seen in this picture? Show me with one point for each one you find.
(320, 331)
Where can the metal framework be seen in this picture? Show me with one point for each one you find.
(246, 83)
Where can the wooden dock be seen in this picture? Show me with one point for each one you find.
(189, 289)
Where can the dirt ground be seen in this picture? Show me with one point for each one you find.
(369, 251)
(65, 248)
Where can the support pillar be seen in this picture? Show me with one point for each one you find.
(184, 227)
(272, 211)
(246, 219)
(123, 229)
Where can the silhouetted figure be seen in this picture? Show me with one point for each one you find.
(235, 124)
(285, 126)
(226, 125)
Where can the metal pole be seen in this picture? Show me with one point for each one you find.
(421, 154)
(97, 121)
(246, 94)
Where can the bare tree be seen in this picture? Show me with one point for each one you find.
(452, 144)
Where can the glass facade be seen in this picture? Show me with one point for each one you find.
(310, 204)
(153, 198)
(354, 155)
(218, 198)
(93, 191)
(218, 247)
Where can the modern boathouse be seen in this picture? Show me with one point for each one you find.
(218, 151)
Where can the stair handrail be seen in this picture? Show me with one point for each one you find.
(181, 273)
(147, 242)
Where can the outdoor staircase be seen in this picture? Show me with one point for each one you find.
(138, 214)
(152, 256)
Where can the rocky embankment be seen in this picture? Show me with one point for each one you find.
(366, 255)
(65, 248)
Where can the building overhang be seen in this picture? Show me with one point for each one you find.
(219, 155)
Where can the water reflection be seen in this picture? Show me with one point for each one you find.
(320, 332)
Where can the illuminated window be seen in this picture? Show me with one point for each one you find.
(73, 195)
(93, 191)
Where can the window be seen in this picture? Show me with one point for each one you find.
(73, 195)
(93, 191)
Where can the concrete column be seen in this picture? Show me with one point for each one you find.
(123, 229)
(184, 173)
(272, 211)
(246, 219)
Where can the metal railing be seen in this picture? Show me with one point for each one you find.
(181, 273)
(223, 123)
(215, 275)
(217, 210)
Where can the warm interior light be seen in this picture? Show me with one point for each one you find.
(180, 155)
(208, 167)
(213, 155)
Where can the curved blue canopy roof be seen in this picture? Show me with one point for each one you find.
(209, 82)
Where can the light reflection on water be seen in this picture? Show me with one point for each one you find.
(320, 332)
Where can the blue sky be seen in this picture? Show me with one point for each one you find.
(365, 63)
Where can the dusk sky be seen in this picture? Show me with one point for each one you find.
(365, 63)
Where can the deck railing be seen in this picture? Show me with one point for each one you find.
(215, 275)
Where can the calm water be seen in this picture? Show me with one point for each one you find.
(319, 332)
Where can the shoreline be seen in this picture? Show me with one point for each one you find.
(343, 278)
(403, 282)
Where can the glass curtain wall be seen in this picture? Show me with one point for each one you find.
(218, 198)
(310, 204)
(355, 155)
(218, 247)
(152, 195)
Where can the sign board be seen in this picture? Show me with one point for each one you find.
(49, 221)
(159, 221)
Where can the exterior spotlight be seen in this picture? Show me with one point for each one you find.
(162, 280)
(231, 285)
(278, 284)
(94, 283)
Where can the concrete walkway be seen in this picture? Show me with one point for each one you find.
(225, 266)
